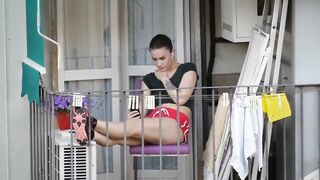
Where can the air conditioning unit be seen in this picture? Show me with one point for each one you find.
(74, 161)
(238, 17)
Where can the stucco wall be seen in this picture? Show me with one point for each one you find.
(306, 41)
(3, 97)
(14, 110)
(300, 65)
(306, 28)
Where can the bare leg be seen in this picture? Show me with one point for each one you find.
(101, 126)
(103, 141)
(170, 132)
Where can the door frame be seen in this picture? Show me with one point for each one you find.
(182, 55)
(111, 73)
(120, 60)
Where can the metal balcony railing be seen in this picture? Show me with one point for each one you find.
(55, 153)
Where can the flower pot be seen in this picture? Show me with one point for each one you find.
(63, 120)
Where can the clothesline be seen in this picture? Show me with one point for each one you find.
(246, 124)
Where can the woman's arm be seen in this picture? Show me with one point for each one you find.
(186, 86)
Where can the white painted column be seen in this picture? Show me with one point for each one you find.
(4, 168)
(14, 110)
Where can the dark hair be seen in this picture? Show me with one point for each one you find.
(160, 41)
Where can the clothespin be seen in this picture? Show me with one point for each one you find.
(279, 99)
(253, 101)
(77, 100)
(137, 103)
(133, 102)
(129, 101)
(149, 102)
(225, 99)
(152, 102)
(271, 90)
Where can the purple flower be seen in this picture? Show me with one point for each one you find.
(62, 103)
(85, 102)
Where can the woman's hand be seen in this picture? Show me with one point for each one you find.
(134, 115)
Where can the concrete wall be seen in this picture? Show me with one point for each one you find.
(286, 130)
(3, 97)
(306, 28)
(225, 61)
(229, 57)
(14, 110)
(300, 65)
(306, 41)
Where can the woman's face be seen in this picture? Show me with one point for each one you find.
(162, 58)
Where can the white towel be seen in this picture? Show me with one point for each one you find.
(259, 130)
(242, 134)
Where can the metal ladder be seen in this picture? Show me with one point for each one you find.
(275, 28)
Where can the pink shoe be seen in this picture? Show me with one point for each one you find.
(79, 119)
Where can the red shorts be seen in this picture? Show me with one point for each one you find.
(172, 114)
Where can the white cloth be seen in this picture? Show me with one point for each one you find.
(246, 132)
(207, 173)
(257, 122)
(215, 135)
(240, 137)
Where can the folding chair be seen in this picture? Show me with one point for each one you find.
(147, 150)
(173, 150)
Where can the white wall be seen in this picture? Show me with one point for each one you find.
(300, 65)
(306, 64)
(14, 110)
(229, 57)
(306, 41)
(3, 98)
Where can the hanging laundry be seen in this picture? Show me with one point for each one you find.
(257, 123)
(246, 133)
(240, 137)
(220, 120)
(215, 136)
(276, 106)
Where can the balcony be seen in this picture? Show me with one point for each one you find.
(290, 145)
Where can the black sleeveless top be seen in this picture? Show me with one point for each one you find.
(153, 82)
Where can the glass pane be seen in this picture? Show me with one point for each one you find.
(146, 19)
(135, 83)
(86, 34)
(99, 105)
